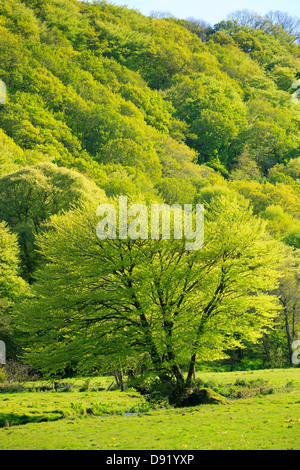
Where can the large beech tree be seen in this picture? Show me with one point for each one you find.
(95, 298)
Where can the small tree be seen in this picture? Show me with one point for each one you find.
(289, 296)
(32, 195)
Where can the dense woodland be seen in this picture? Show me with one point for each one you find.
(102, 101)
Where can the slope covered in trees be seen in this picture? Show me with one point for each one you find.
(102, 101)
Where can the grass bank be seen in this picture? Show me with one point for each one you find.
(80, 417)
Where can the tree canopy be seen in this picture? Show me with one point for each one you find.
(135, 297)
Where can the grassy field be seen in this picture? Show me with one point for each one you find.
(262, 412)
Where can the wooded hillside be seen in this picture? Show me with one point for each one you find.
(102, 101)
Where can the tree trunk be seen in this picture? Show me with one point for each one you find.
(119, 379)
(288, 335)
(191, 372)
(178, 374)
(122, 387)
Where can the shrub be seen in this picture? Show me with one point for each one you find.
(18, 372)
(247, 388)
(8, 387)
(187, 395)
(85, 386)
(3, 375)
(65, 386)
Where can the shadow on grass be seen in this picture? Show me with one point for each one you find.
(12, 419)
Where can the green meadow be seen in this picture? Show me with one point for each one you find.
(262, 412)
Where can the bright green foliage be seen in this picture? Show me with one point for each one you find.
(102, 101)
(279, 203)
(31, 195)
(213, 111)
(150, 297)
(12, 286)
(292, 237)
(11, 156)
(82, 76)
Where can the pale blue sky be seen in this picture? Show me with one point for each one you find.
(210, 11)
